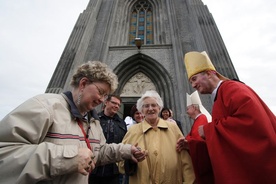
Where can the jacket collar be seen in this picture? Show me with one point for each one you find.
(162, 124)
(73, 108)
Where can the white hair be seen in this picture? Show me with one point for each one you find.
(149, 94)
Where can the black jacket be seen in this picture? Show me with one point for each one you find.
(114, 129)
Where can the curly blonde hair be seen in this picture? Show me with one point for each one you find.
(95, 71)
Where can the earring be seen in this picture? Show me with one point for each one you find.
(79, 99)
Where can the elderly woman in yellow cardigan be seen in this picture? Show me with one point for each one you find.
(158, 137)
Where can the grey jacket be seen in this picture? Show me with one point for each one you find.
(39, 142)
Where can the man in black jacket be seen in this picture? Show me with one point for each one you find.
(114, 129)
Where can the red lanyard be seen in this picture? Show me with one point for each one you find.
(84, 134)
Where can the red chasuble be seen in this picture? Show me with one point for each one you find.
(199, 153)
(200, 120)
(241, 139)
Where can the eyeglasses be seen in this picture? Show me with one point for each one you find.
(115, 103)
(101, 92)
(150, 105)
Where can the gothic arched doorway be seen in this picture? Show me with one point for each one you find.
(147, 74)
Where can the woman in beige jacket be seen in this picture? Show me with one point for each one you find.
(57, 138)
(158, 137)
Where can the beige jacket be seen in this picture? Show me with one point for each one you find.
(39, 142)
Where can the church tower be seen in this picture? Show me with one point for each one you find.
(111, 31)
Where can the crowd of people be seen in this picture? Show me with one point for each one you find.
(61, 138)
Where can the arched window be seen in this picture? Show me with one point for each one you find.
(141, 23)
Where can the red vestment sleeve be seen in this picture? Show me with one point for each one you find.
(241, 138)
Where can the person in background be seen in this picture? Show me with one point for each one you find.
(195, 143)
(165, 114)
(114, 129)
(57, 138)
(241, 139)
(177, 121)
(198, 113)
(136, 115)
(158, 138)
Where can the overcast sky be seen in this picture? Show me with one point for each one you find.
(34, 33)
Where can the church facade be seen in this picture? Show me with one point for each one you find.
(167, 29)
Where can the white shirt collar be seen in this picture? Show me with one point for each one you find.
(198, 115)
(214, 93)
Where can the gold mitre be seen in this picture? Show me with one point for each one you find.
(197, 62)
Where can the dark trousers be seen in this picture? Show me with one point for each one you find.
(114, 179)
(125, 179)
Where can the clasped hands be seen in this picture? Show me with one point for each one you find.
(137, 154)
(86, 161)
